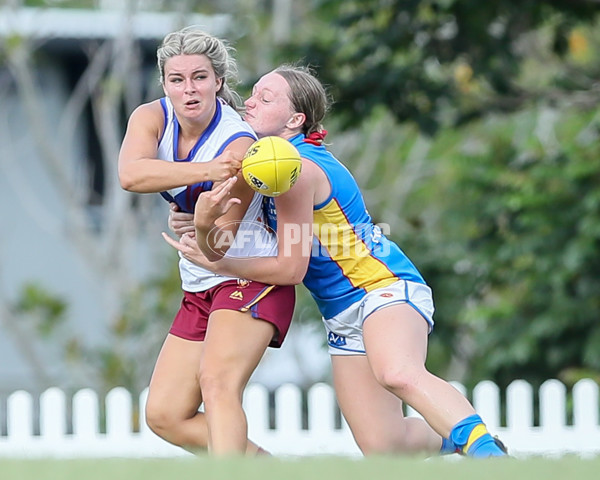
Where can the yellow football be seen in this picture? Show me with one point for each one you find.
(271, 166)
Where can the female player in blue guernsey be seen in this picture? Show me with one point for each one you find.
(376, 307)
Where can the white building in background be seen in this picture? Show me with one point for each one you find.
(32, 248)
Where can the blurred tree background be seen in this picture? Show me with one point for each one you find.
(478, 144)
(473, 130)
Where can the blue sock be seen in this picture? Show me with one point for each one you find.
(485, 446)
(448, 447)
(473, 439)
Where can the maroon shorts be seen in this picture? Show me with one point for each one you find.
(271, 303)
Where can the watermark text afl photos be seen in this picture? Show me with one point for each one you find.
(327, 239)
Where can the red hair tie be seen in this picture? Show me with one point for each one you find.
(316, 138)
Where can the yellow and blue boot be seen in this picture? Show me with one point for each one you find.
(473, 439)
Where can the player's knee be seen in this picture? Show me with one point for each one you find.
(397, 437)
(156, 422)
(160, 419)
(403, 382)
(374, 443)
(217, 386)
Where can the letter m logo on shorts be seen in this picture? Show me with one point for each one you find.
(336, 340)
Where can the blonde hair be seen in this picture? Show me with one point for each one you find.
(194, 41)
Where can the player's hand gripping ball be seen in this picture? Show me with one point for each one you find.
(271, 166)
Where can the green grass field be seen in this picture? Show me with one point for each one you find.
(326, 468)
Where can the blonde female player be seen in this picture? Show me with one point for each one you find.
(179, 145)
(376, 307)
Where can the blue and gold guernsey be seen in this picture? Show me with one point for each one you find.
(350, 255)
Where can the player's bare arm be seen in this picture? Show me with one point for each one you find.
(139, 169)
(209, 207)
(219, 211)
(294, 233)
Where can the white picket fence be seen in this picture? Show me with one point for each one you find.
(49, 431)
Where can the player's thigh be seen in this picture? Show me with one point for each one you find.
(174, 384)
(395, 338)
(366, 405)
(234, 344)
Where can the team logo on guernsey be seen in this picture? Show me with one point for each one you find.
(336, 340)
(243, 283)
(386, 295)
(237, 295)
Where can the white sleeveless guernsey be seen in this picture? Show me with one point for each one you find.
(253, 237)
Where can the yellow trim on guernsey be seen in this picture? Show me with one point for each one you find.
(337, 236)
